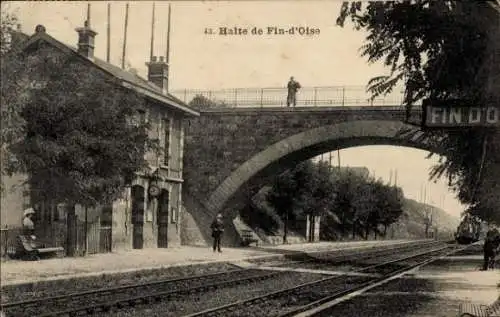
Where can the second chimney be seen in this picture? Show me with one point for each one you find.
(158, 73)
(86, 38)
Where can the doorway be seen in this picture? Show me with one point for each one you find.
(138, 202)
(163, 206)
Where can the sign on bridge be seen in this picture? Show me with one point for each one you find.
(456, 113)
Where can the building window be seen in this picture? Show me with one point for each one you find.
(174, 215)
(138, 118)
(166, 141)
(141, 116)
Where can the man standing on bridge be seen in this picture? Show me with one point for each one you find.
(293, 87)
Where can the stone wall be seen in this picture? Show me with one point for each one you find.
(229, 148)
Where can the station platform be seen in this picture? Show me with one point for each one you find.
(444, 288)
(21, 272)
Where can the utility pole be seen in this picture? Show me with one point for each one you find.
(167, 57)
(125, 36)
(108, 39)
(151, 49)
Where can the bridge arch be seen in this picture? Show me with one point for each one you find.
(305, 145)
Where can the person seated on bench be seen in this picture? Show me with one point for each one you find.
(28, 224)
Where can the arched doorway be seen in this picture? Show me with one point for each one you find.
(138, 205)
(163, 206)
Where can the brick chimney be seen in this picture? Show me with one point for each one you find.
(158, 72)
(86, 37)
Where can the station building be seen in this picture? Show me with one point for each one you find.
(149, 213)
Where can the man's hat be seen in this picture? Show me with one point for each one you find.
(28, 211)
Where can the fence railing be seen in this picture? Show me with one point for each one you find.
(8, 240)
(277, 97)
(97, 238)
(90, 238)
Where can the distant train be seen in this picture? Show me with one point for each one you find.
(469, 230)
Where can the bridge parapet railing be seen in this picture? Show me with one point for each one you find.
(276, 97)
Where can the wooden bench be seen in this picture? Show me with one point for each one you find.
(475, 310)
(247, 238)
(28, 249)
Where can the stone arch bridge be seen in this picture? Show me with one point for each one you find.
(230, 153)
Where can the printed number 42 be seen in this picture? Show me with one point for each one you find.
(208, 31)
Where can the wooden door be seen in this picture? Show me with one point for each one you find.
(163, 206)
(138, 204)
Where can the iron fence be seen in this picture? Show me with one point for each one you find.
(277, 97)
(93, 237)
(90, 238)
(8, 240)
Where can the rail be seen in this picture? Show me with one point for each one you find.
(277, 97)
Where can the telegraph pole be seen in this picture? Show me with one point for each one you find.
(125, 36)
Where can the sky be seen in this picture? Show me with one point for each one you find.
(198, 60)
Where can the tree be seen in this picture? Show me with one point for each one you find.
(387, 208)
(283, 199)
(346, 204)
(422, 43)
(13, 88)
(201, 102)
(304, 191)
(81, 144)
(484, 211)
(389, 205)
(316, 190)
(348, 199)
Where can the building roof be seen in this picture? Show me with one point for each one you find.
(129, 80)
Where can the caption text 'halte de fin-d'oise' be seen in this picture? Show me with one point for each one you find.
(269, 30)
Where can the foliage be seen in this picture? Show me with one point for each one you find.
(82, 142)
(12, 95)
(438, 49)
(315, 192)
(283, 196)
(356, 200)
(389, 204)
(201, 102)
(485, 212)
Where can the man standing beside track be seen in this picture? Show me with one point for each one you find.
(491, 243)
(217, 227)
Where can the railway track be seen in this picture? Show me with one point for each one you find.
(339, 255)
(103, 300)
(350, 258)
(292, 301)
